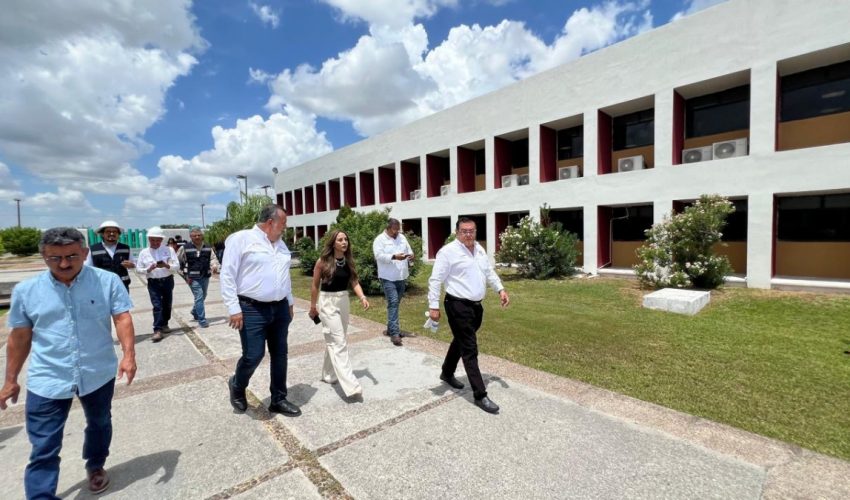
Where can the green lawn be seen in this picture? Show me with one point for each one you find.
(765, 361)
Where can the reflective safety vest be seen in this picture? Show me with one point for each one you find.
(197, 260)
(100, 258)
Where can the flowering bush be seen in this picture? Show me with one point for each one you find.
(678, 252)
(539, 251)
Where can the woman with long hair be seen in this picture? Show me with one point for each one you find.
(333, 274)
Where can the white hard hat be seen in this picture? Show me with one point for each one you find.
(155, 232)
(109, 223)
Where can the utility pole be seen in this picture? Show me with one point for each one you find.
(240, 176)
(18, 200)
(203, 224)
(265, 189)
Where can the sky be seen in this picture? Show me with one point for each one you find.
(141, 111)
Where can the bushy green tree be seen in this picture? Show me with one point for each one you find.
(308, 254)
(678, 252)
(239, 216)
(540, 252)
(21, 241)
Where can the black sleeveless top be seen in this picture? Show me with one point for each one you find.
(339, 282)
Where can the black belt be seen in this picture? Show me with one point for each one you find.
(450, 297)
(256, 302)
(167, 277)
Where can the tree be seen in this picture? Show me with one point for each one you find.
(239, 216)
(21, 241)
(539, 251)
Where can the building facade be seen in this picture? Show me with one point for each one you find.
(749, 99)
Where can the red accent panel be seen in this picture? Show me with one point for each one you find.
(778, 111)
(409, 179)
(288, 206)
(299, 202)
(772, 237)
(308, 198)
(367, 188)
(280, 200)
(349, 188)
(501, 160)
(434, 166)
(311, 233)
(678, 127)
(438, 230)
(603, 232)
(604, 143)
(333, 187)
(386, 184)
(548, 154)
(501, 225)
(321, 230)
(465, 170)
(321, 197)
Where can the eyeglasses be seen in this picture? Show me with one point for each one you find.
(466, 231)
(57, 259)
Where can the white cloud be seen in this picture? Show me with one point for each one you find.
(391, 13)
(395, 63)
(63, 199)
(694, 6)
(266, 14)
(9, 186)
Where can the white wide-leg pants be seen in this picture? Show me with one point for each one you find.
(333, 311)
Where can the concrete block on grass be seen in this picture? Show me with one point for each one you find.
(677, 301)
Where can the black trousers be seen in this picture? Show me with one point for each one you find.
(464, 319)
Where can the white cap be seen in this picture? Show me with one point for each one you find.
(109, 223)
(155, 232)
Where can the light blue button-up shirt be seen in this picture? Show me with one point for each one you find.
(72, 350)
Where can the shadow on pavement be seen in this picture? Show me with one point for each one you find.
(123, 475)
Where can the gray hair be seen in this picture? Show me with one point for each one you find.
(196, 229)
(392, 223)
(60, 236)
(269, 212)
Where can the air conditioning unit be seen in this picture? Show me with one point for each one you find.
(510, 180)
(523, 179)
(730, 148)
(694, 155)
(630, 163)
(568, 172)
(444, 190)
(416, 194)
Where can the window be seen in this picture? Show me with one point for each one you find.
(479, 162)
(814, 218)
(519, 153)
(634, 130)
(630, 223)
(717, 113)
(571, 143)
(816, 92)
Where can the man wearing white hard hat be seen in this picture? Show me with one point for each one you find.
(159, 263)
(110, 254)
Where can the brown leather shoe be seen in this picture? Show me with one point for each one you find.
(396, 339)
(98, 481)
(157, 336)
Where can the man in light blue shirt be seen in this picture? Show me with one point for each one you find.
(62, 317)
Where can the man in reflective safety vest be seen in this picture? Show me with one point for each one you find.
(198, 261)
(110, 254)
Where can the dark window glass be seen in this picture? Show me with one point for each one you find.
(447, 171)
(519, 153)
(814, 218)
(479, 162)
(816, 92)
(571, 220)
(571, 143)
(717, 113)
(634, 224)
(736, 223)
(634, 130)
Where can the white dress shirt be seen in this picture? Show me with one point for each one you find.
(148, 256)
(466, 274)
(384, 248)
(256, 268)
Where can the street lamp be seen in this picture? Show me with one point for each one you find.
(240, 176)
(203, 224)
(18, 200)
(265, 189)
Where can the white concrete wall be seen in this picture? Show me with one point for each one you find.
(740, 35)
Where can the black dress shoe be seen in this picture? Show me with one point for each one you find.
(284, 407)
(487, 405)
(451, 380)
(237, 398)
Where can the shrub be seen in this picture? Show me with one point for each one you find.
(539, 251)
(21, 241)
(239, 216)
(679, 251)
(308, 254)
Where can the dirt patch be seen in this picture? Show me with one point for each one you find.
(10, 262)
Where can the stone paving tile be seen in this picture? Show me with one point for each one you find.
(174, 353)
(538, 447)
(180, 442)
(292, 485)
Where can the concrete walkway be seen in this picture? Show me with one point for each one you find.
(176, 436)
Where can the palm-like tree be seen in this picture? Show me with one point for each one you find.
(239, 216)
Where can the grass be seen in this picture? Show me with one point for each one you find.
(765, 361)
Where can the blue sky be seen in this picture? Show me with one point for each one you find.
(141, 111)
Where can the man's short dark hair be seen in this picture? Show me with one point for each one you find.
(60, 236)
(463, 220)
(269, 212)
(393, 222)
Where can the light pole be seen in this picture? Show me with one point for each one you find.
(203, 224)
(265, 189)
(18, 200)
(240, 176)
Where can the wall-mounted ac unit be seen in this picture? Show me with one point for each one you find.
(570, 172)
(694, 155)
(523, 179)
(444, 190)
(510, 180)
(416, 194)
(730, 148)
(630, 163)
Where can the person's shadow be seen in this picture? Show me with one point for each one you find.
(8, 433)
(127, 473)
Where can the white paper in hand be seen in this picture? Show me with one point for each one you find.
(430, 323)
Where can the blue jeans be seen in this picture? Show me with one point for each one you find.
(46, 418)
(199, 290)
(393, 291)
(161, 292)
(263, 323)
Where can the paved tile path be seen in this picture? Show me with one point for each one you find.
(176, 436)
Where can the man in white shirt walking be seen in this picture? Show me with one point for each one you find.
(393, 255)
(466, 271)
(159, 263)
(257, 290)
